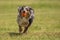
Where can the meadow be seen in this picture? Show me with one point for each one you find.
(46, 24)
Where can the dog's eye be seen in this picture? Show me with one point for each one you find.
(27, 9)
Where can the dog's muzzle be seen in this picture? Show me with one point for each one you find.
(25, 14)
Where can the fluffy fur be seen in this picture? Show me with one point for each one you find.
(25, 21)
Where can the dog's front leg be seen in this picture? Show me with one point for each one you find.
(25, 29)
(20, 29)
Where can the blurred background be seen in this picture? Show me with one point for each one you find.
(46, 24)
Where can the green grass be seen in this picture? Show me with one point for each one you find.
(46, 25)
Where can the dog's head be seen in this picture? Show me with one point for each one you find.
(25, 11)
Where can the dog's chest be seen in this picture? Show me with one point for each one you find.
(23, 22)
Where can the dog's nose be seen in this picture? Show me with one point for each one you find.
(23, 11)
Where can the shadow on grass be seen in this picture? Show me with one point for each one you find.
(14, 34)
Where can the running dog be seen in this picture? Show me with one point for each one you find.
(24, 18)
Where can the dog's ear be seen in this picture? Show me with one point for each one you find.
(31, 10)
(19, 9)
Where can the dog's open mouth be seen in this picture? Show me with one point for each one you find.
(25, 14)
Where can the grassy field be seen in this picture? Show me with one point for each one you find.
(46, 25)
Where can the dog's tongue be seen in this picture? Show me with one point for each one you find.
(24, 14)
